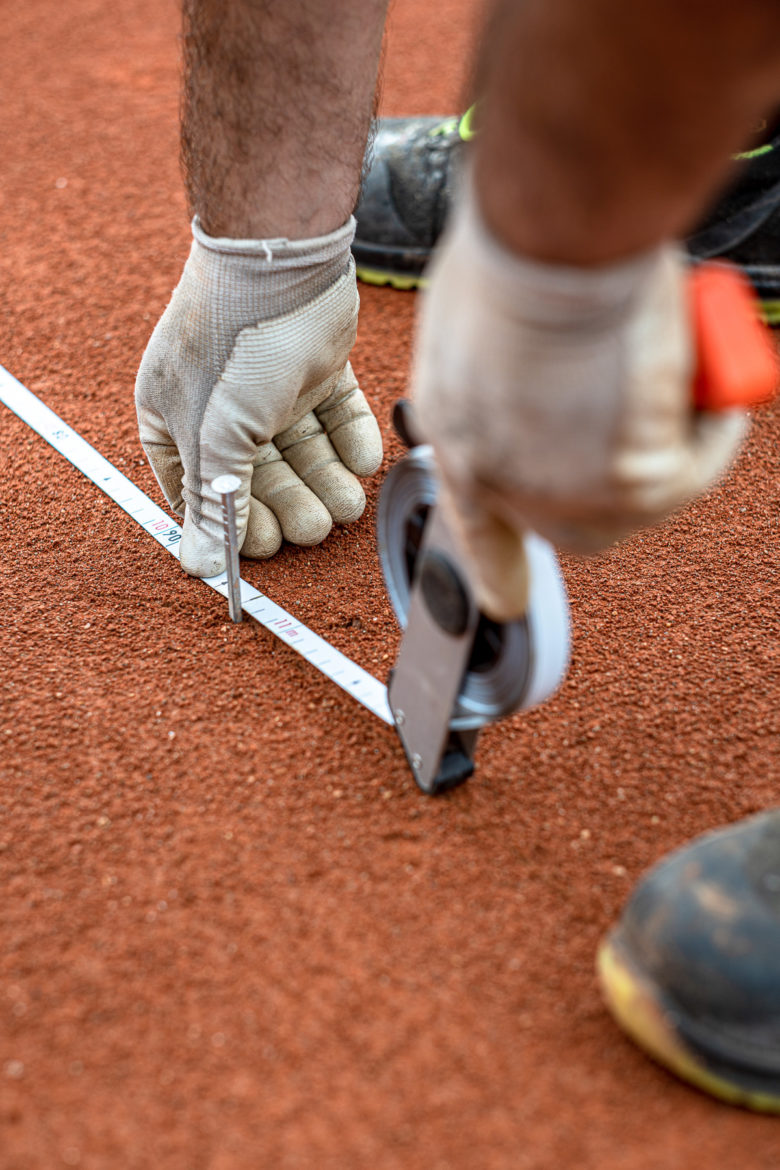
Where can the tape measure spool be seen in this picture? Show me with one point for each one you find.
(496, 679)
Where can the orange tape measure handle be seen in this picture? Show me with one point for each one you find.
(737, 364)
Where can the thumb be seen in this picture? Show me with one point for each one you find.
(163, 455)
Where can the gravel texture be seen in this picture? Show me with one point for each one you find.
(232, 933)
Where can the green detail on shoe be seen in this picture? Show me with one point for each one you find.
(767, 148)
(444, 128)
(770, 311)
(466, 128)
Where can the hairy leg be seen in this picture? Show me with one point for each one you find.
(606, 125)
(278, 97)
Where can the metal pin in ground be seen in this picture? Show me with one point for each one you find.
(226, 487)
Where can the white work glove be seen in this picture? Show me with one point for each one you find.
(557, 399)
(247, 373)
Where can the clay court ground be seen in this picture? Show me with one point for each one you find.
(232, 933)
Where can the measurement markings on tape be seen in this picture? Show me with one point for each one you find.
(331, 662)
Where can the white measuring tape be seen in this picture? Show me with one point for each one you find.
(331, 662)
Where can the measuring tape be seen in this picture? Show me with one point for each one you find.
(331, 662)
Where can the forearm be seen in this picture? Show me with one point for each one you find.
(606, 126)
(277, 104)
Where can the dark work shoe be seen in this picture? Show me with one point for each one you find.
(408, 188)
(407, 192)
(743, 225)
(692, 969)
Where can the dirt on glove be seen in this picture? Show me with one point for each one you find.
(232, 933)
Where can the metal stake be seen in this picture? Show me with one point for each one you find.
(226, 487)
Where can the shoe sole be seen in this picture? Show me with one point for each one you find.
(638, 1006)
(405, 281)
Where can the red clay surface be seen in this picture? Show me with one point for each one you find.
(233, 933)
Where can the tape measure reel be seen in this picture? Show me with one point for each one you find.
(513, 665)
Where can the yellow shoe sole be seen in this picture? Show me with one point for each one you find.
(395, 280)
(636, 1006)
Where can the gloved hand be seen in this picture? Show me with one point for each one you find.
(557, 399)
(247, 373)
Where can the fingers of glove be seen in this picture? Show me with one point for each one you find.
(350, 425)
(656, 482)
(263, 532)
(202, 549)
(302, 518)
(310, 453)
(650, 486)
